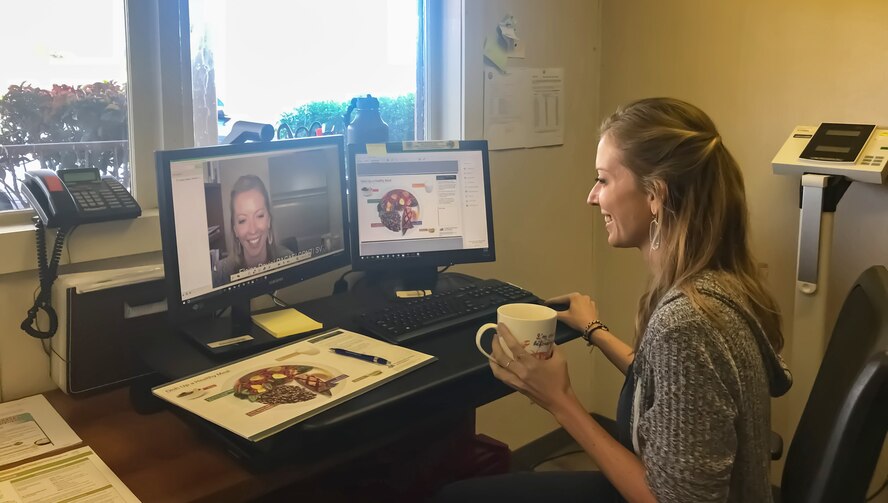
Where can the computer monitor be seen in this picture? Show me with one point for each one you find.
(239, 221)
(416, 206)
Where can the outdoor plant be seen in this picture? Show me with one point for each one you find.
(66, 114)
(397, 112)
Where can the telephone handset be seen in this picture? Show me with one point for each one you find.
(77, 196)
(66, 199)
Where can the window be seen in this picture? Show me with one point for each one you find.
(62, 92)
(154, 37)
(297, 64)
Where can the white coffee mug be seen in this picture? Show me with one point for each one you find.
(532, 324)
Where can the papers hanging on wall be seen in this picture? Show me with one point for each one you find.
(524, 108)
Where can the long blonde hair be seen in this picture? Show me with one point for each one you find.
(675, 151)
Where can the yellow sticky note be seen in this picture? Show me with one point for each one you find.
(286, 322)
(495, 52)
(376, 149)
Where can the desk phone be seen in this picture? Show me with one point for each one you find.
(77, 196)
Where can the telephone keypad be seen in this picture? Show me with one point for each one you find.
(107, 195)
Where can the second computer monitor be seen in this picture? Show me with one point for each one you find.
(419, 205)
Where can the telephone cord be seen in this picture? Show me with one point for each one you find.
(47, 272)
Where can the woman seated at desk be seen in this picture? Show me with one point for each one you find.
(694, 412)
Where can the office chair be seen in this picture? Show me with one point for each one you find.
(834, 452)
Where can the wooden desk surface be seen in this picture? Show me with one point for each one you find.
(159, 457)
(162, 458)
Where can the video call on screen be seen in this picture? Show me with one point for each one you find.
(259, 212)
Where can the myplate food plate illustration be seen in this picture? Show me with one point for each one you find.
(398, 211)
(289, 384)
(262, 394)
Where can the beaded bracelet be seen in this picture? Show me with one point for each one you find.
(591, 327)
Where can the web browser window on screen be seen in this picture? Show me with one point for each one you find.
(420, 202)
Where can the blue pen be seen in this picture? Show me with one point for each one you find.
(361, 356)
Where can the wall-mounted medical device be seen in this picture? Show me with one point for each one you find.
(828, 157)
(856, 151)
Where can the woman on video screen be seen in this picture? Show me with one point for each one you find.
(251, 226)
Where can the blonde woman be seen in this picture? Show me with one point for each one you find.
(693, 416)
(251, 226)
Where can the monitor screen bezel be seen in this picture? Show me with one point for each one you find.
(425, 259)
(213, 301)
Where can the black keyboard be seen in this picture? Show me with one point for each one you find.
(440, 311)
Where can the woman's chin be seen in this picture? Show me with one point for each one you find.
(254, 259)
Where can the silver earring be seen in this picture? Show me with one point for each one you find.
(654, 233)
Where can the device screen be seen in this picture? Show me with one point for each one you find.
(410, 203)
(241, 217)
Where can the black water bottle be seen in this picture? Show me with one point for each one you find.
(367, 126)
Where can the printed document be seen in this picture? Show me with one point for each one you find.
(77, 475)
(524, 108)
(263, 394)
(31, 427)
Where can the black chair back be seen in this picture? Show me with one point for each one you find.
(840, 434)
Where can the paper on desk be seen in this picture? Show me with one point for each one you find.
(31, 427)
(260, 395)
(284, 322)
(77, 475)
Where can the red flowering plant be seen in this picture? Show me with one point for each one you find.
(66, 114)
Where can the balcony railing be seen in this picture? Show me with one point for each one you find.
(109, 157)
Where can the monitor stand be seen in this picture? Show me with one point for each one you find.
(234, 334)
(413, 278)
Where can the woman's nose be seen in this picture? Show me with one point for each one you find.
(592, 199)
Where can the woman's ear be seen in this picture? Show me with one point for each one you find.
(657, 197)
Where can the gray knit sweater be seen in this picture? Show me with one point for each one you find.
(701, 407)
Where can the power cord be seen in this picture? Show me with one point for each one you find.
(341, 285)
(278, 302)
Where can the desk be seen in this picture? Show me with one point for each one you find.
(161, 458)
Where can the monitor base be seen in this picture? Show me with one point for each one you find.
(235, 334)
(410, 279)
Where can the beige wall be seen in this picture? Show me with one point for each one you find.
(543, 227)
(759, 68)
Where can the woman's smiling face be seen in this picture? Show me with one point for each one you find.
(251, 224)
(627, 210)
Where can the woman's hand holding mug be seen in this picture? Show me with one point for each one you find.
(532, 325)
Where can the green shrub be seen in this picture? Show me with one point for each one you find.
(397, 112)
